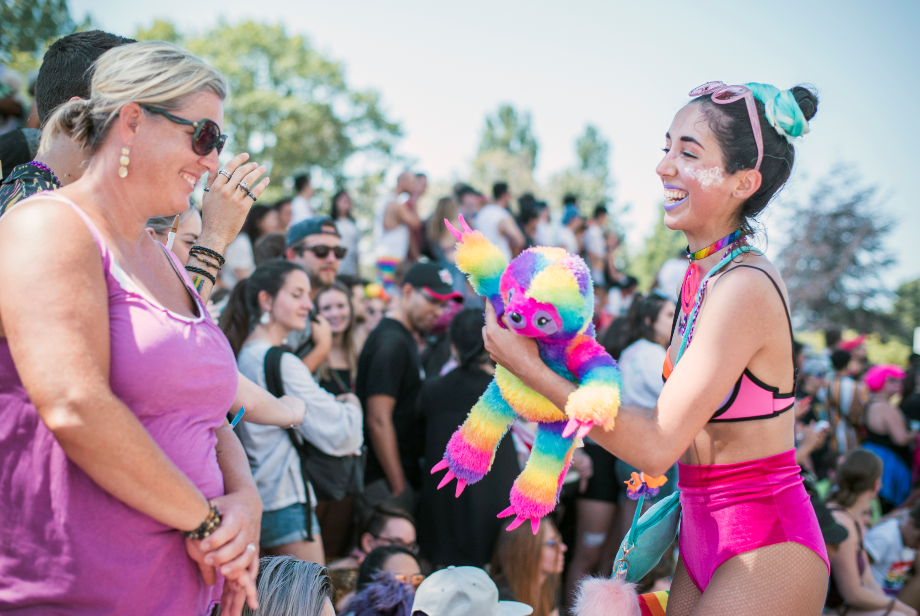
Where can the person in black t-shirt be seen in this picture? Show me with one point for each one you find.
(462, 531)
(388, 383)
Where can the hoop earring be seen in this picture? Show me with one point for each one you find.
(124, 160)
(266, 318)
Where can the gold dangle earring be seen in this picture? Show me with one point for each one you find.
(123, 170)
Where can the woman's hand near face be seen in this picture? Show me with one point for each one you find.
(225, 206)
(223, 211)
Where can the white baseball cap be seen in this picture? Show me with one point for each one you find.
(463, 591)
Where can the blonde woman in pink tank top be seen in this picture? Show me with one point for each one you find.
(114, 382)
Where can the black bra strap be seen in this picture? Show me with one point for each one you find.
(785, 308)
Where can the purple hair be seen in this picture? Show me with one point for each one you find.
(386, 596)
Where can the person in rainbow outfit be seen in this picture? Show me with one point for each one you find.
(547, 295)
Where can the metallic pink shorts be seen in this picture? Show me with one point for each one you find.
(729, 509)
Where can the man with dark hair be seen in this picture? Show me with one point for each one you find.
(388, 384)
(301, 208)
(64, 75)
(498, 225)
(469, 200)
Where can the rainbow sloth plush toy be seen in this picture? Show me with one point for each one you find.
(548, 295)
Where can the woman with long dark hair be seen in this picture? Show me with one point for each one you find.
(341, 214)
(262, 311)
(730, 370)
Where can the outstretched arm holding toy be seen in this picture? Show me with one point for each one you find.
(739, 304)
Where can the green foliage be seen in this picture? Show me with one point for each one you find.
(589, 179)
(290, 107)
(593, 153)
(835, 254)
(510, 131)
(661, 245)
(160, 31)
(907, 307)
(29, 24)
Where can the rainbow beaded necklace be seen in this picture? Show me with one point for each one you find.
(714, 247)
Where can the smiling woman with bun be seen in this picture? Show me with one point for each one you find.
(749, 543)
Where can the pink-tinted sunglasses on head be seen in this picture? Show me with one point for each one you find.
(722, 94)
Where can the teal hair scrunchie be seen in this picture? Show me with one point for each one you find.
(781, 109)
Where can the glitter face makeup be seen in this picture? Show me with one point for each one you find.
(713, 177)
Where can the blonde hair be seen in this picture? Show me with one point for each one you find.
(151, 72)
(517, 562)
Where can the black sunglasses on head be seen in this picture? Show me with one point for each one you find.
(322, 251)
(206, 136)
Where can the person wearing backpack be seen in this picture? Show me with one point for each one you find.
(321, 454)
(846, 400)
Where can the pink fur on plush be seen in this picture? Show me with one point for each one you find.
(606, 597)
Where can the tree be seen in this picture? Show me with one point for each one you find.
(835, 253)
(507, 152)
(907, 308)
(510, 131)
(29, 24)
(589, 178)
(290, 107)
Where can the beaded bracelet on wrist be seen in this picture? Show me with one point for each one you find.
(203, 272)
(207, 251)
(208, 526)
(206, 262)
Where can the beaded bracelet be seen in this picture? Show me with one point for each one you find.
(203, 272)
(207, 251)
(208, 263)
(208, 526)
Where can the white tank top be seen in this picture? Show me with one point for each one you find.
(395, 242)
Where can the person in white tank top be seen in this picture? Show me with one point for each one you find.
(392, 224)
(498, 225)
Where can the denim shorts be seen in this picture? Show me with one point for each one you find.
(287, 526)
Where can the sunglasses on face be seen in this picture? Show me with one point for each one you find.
(413, 580)
(206, 136)
(322, 251)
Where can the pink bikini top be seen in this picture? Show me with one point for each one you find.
(750, 398)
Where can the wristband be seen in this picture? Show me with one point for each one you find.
(211, 523)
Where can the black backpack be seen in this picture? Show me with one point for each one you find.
(333, 477)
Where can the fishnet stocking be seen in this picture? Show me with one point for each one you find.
(778, 580)
(684, 594)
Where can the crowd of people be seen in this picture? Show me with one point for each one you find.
(241, 372)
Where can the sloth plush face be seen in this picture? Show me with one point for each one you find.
(548, 294)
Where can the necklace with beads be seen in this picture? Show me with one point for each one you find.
(45, 167)
(691, 283)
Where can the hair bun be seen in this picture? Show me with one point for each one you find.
(807, 100)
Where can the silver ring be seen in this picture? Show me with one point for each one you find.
(206, 189)
(243, 186)
(251, 196)
(224, 173)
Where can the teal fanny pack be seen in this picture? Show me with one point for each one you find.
(648, 539)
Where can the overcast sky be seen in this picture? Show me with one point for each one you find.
(624, 67)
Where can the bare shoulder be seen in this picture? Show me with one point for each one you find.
(753, 281)
(47, 233)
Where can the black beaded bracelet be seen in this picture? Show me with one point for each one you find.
(208, 526)
(203, 272)
(208, 252)
(206, 262)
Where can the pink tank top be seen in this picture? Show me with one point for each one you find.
(750, 398)
(67, 546)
